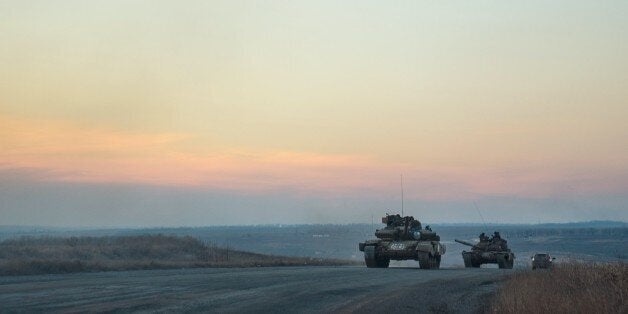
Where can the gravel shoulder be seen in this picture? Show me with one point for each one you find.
(272, 289)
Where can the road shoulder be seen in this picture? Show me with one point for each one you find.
(463, 295)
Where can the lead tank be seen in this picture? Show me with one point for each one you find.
(403, 238)
(488, 251)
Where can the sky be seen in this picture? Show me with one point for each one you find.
(166, 113)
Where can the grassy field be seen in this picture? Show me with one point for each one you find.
(568, 288)
(46, 255)
(591, 241)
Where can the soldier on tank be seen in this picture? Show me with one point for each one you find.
(398, 220)
(415, 225)
(483, 237)
(493, 250)
(389, 222)
(497, 242)
(392, 220)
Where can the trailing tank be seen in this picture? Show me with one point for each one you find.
(403, 238)
(488, 251)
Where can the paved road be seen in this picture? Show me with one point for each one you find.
(280, 289)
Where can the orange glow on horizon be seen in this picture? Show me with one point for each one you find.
(62, 152)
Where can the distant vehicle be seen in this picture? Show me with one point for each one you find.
(488, 251)
(403, 238)
(543, 261)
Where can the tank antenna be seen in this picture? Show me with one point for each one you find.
(480, 213)
(402, 195)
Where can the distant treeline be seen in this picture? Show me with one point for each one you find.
(40, 255)
(575, 232)
(340, 241)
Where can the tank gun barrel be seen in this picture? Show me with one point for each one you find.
(464, 242)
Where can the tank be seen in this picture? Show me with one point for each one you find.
(403, 238)
(488, 251)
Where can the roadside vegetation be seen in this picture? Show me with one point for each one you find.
(568, 288)
(48, 255)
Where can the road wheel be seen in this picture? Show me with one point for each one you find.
(372, 260)
(467, 261)
(434, 262)
(437, 265)
(501, 264)
(504, 262)
(369, 256)
(510, 264)
(424, 260)
(428, 261)
(383, 263)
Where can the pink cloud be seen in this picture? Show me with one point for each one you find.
(76, 154)
(71, 153)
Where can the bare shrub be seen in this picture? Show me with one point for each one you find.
(568, 288)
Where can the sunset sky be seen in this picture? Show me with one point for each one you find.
(168, 113)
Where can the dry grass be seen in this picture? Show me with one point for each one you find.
(568, 288)
(47, 255)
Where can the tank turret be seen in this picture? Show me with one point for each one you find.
(403, 238)
(488, 251)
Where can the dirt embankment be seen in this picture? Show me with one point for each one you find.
(48, 255)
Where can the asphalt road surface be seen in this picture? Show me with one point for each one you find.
(273, 289)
